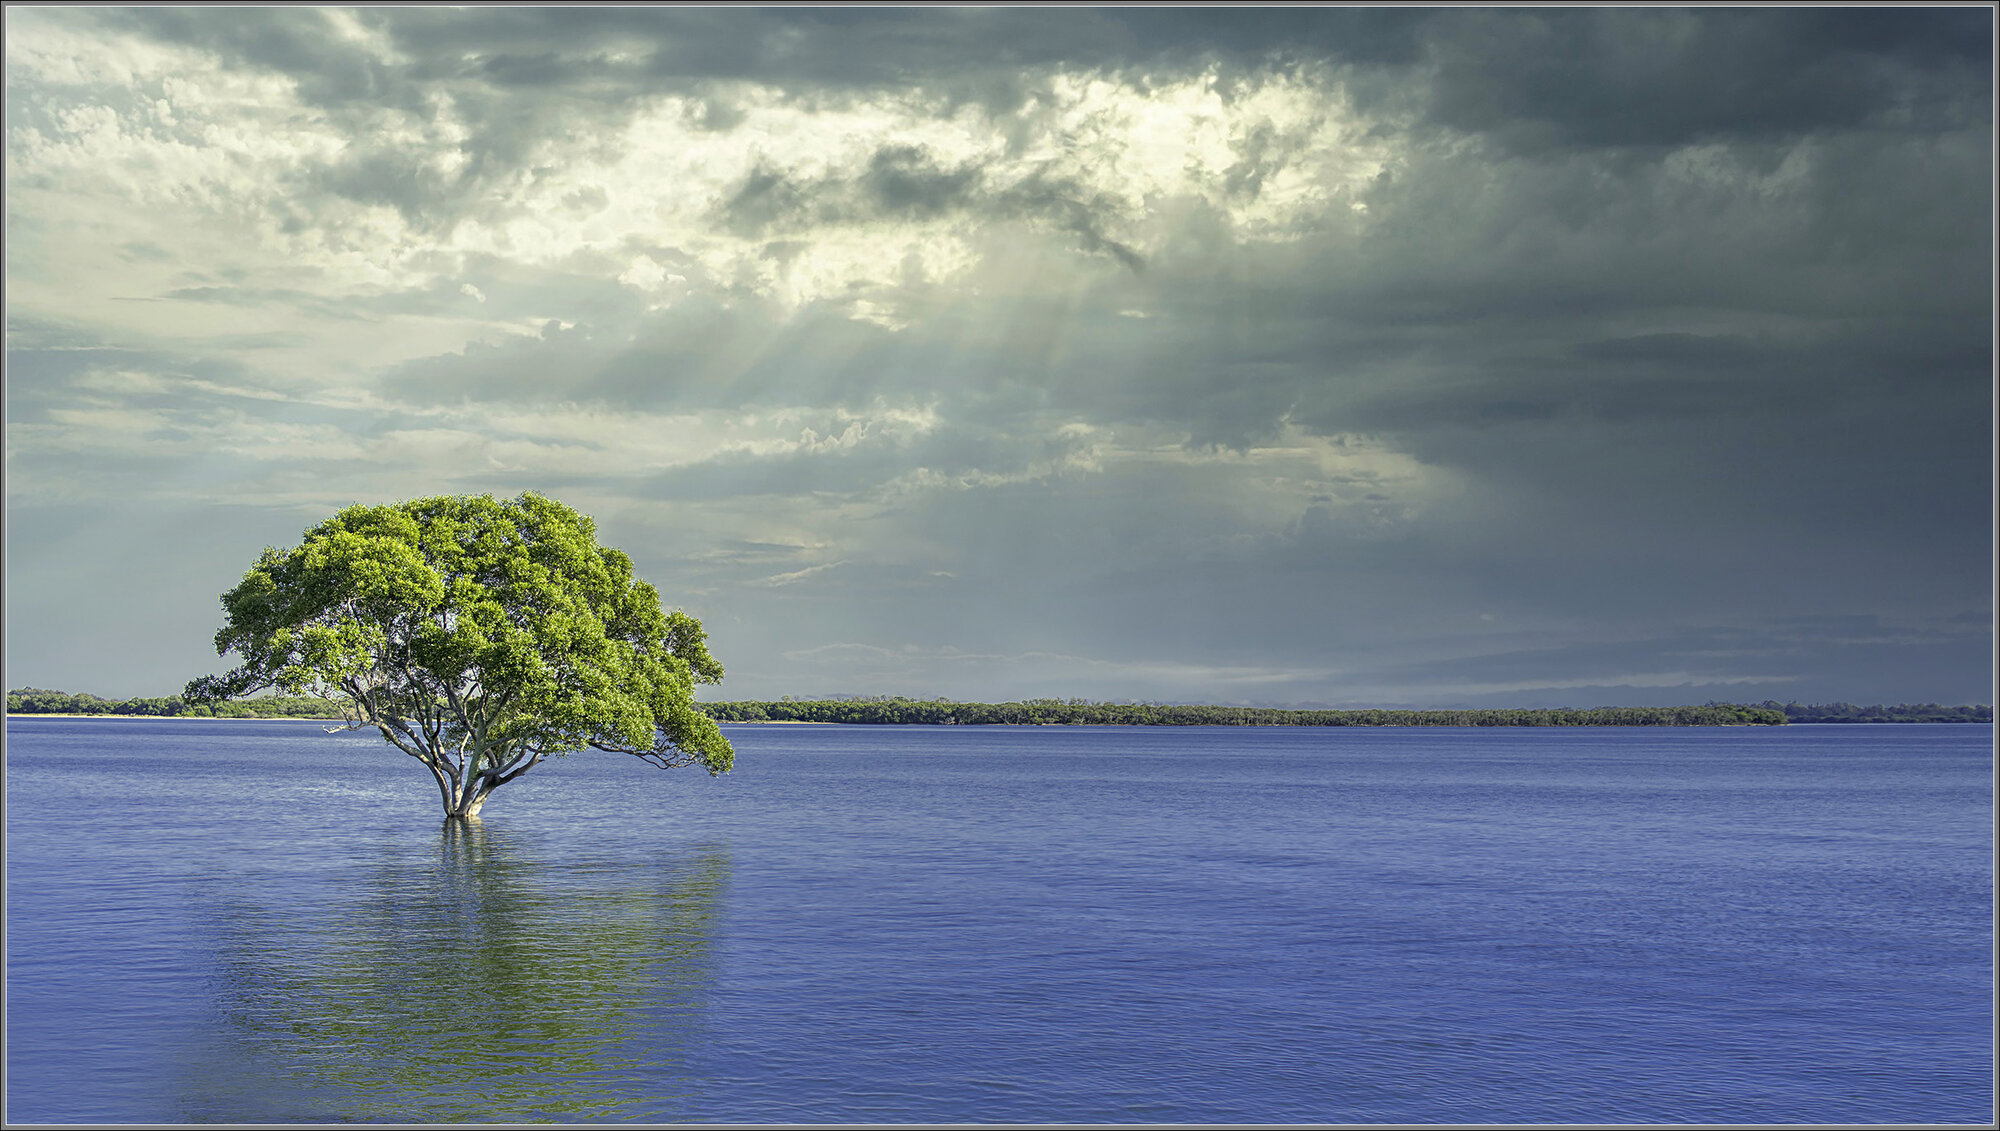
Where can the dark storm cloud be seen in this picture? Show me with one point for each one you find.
(905, 182)
(1662, 76)
(901, 182)
(1587, 76)
(1529, 79)
(391, 176)
(974, 51)
(291, 40)
(1620, 76)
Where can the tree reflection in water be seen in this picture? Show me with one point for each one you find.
(481, 982)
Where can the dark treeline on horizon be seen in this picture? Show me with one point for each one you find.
(38, 701)
(897, 710)
(1901, 713)
(1077, 712)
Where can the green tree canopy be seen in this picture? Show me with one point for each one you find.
(479, 636)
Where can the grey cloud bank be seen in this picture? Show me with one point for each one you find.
(1291, 356)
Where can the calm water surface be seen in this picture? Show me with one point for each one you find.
(257, 921)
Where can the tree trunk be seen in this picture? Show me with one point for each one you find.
(466, 808)
(467, 804)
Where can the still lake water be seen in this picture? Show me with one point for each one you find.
(257, 921)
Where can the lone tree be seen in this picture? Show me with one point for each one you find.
(479, 636)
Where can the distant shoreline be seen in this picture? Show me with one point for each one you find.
(309, 719)
(900, 711)
(11, 715)
(180, 718)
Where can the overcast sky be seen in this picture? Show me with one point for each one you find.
(1285, 356)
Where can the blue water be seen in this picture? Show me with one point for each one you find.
(257, 921)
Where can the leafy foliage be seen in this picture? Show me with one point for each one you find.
(479, 636)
